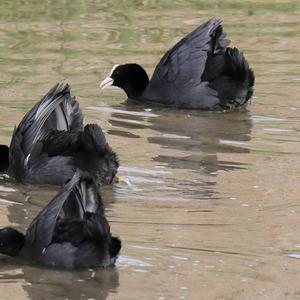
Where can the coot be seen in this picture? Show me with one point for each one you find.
(50, 143)
(70, 232)
(199, 72)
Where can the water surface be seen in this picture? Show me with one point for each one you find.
(208, 207)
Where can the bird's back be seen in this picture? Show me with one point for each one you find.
(72, 230)
(57, 110)
(200, 71)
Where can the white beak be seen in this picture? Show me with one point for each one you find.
(106, 83)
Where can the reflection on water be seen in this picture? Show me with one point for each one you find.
(53, 284)
(188, 131)
(202, 136)
(204, 199)
(89, 284)
(188, 140)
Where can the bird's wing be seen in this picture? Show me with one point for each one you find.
(42, 227)
(57, 110)
(58, 143)
(90, 140)
(183, 65)
(64, 218)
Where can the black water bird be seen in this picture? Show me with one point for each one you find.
(199, 72)
(51, 142)
(70, 232)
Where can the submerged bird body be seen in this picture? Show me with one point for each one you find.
(51, 142)
(200, 72)
(70, 232)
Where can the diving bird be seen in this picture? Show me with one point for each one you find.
(51, 142)
(70, 232)
(200, 72)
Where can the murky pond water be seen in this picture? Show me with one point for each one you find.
(209, 207)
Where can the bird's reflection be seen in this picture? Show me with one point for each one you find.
(87, 284)
(195, 139)
(202, 136)
(39, 283)
(193, 147)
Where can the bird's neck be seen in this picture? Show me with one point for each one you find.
(4, 158)
(137, 84)
(15, 244)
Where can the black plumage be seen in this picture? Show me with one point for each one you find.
(51, 142)
(4, 154)
(200, 72)
(70, 232)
